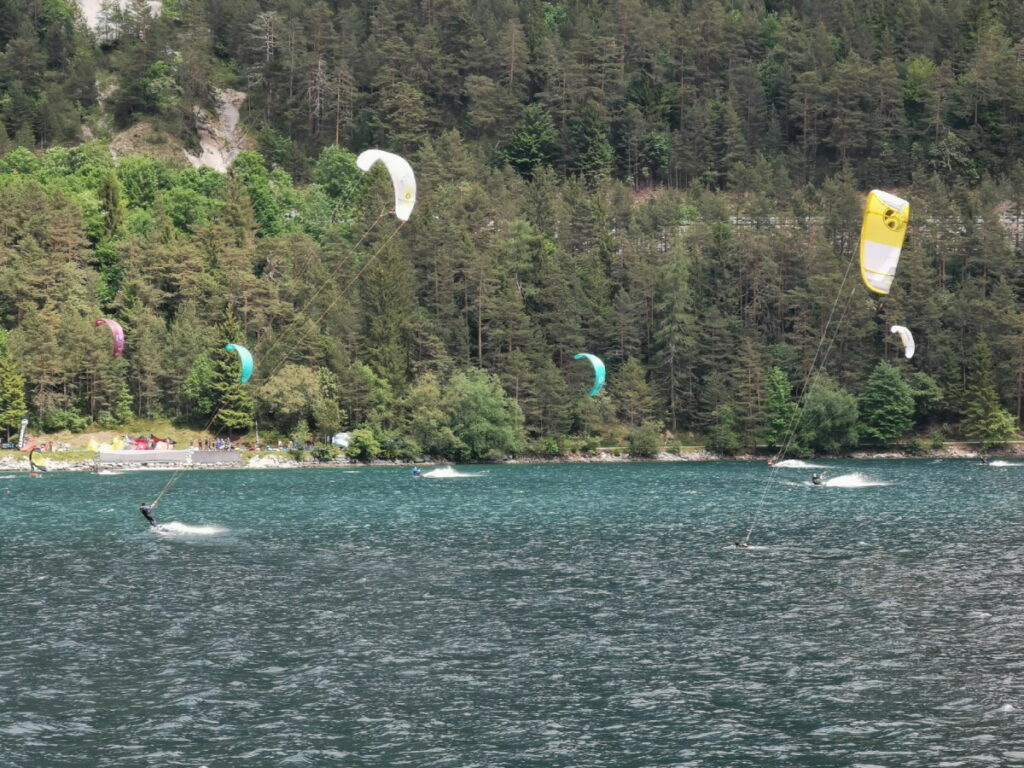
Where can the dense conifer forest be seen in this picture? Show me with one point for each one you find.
(675, 186)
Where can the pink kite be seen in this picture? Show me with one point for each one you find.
(117, 331)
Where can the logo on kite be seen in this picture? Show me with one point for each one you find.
(402, 178)
(245, 358)
(598, 371)
(881, 239)
(116, 330)
(906, 337)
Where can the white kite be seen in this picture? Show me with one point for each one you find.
(402, 178)
(906, 337)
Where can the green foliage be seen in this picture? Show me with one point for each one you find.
(644, 441)
(160, 85)
(250, 170)
(60, 419)
(984, 418)
(337, 173)
(915, 447)
(723, 437)
(533, 143)
(543, 446)
(234, 408)
(632, 393)
(12, 391)
(324, 408)
(286, 398)
(111, 205)
(21, 161)
(886, 405)
(198, 388)
(781, 413)
(927, 396)
(325, 452)
(363, 445)
(186, 207)
(591, 178)
(395, 446)
(427, 421)
(588, 150)
(123, 413)
(142, 178)
(364, 395)
(487, 423)
(829, 421)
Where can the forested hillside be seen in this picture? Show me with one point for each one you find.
(676, 187)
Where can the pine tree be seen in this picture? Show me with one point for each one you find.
(123, 413)
(533, 143)
(12, 394)
(589, 152)
(111, 203)
(830, 417)
(886, 405)
(781, 412)
(723, 437)
(633, 394)
(234, 410)
(984, 418)
(675, 322)
(388, 305)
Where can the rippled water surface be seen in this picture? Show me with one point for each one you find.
(555, 615)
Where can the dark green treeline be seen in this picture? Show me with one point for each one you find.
(652, 92)
(676, 187)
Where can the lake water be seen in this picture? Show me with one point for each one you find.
(531, 615)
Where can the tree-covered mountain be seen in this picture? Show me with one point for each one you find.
(674, 186)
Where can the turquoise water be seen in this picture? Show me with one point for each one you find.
(534, 615)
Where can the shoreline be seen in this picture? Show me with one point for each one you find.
(11, 461)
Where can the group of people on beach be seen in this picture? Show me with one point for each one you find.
(219, 444)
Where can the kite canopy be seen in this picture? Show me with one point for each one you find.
(881, 239)
(598, 371)
(906, 337)
(245, 357)
(402, 178)
(116, 330)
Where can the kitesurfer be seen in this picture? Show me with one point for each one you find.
(416, 471)
(816, 478)
(146, 510)
(33, 468)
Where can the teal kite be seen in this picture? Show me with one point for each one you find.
(245, 356)
(598, 371)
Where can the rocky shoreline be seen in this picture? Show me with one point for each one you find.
(17, 462)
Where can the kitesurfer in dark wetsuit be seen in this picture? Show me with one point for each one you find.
(33, 468)
(146, 509)
(816, 478)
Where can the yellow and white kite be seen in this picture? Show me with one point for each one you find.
(881, 239)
